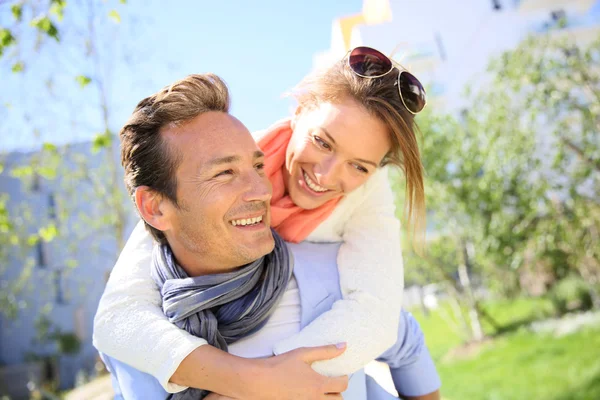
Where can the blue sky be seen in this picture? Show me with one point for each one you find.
(261, 48)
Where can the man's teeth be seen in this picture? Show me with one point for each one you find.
(312, 184)
(247, 221)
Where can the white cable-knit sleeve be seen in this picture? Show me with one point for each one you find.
(372, 282)
(130, 325)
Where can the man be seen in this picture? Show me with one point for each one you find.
(216, 179)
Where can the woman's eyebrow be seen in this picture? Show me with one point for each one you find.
(333, 140)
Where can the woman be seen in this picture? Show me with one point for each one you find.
(328, 185)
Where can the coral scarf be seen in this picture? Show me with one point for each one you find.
(292, 223)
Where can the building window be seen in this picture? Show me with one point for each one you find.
(40, 254)
(558, 15)
(440, 46)
(59, 291)
(35, 183)
(558, 18)
(52, 206)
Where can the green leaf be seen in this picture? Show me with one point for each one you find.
(114, 15)
(22, 171)
(17, 11)
(45, 25)
(48, 233)
(32, 240)
(83, 80)
(6, 38)
(49, 147)
(47, 172)
(58, 10)
(101, 141)
(18, 67)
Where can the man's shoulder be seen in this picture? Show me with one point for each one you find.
(313, 255)
(130, 383)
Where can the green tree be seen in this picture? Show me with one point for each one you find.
(35, 29)
(513, 181)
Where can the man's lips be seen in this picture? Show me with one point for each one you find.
(249, 220)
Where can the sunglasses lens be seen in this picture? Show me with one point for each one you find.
(369, 62)
(412, 91)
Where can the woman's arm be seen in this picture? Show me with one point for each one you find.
(130, 325)
(371, 279)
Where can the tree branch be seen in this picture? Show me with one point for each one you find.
(580, 153)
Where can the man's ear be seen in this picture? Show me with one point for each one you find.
(151, 206)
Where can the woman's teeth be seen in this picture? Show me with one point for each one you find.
(312, 184)
(247, 221)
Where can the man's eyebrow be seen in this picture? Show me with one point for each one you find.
(223, 160)
(357, 159)
(231, 159)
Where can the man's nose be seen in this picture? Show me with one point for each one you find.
(258, 188)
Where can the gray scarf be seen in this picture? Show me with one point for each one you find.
(221, 308)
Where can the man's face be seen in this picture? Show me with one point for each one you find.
(223, 218)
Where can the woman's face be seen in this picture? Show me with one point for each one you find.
(333, 150)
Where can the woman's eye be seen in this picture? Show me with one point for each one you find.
(360, 168)
(321, 143)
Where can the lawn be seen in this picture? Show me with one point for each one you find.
(518, 364)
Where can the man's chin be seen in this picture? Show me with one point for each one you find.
(264, 246)
(259, 245)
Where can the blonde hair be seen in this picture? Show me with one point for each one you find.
(380, 98)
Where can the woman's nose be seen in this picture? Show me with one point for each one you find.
(327, 172)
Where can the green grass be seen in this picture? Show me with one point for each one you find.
(518, 364)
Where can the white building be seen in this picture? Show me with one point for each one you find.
(65, 277)
(448, 44)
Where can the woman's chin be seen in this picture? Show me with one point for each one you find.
(304, 200)
(308, 202)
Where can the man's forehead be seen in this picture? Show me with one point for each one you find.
(216, 139)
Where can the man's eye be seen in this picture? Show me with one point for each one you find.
(260, 166)
(226, 172)
(321, 143)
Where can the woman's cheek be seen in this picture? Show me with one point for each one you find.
(354, 183)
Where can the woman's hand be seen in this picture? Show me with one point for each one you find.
(288, 376)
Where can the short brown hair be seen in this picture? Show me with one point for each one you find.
(145, 156)
(380, 98)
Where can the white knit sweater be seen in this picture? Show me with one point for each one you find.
(130, 325)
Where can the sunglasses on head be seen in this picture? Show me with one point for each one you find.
(370, 63)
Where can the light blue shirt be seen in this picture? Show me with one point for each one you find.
(315, 270)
